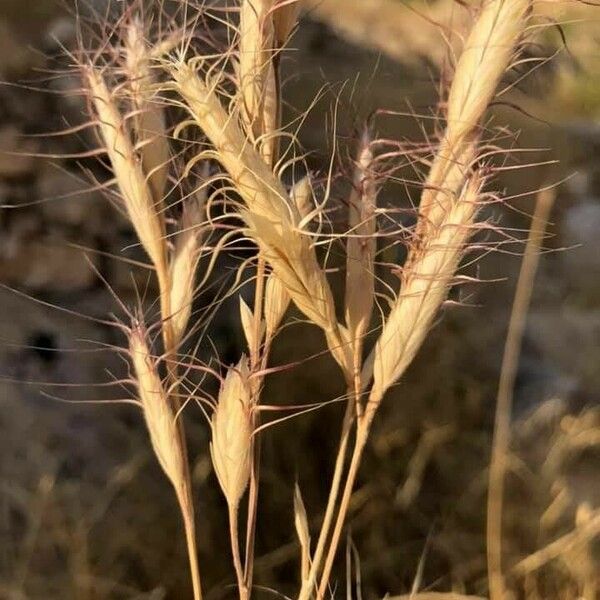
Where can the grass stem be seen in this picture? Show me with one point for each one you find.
(508, 373)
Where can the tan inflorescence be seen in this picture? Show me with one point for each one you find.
(231, 426)
(272, 220)
(147, 221)
(159, 416)
(486, 56)
(424, 288)
(184, 261)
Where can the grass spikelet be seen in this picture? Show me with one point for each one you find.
(231, 451)
(132, 183)
(184, 262)
(302, 531)
(247, 319)
(277, 301)
(149, 120)
(293, 260)
(425, 281)
(302, 196)
(232, 434)
(361, 246)
(165, 436)
(256, 72)
(271, 219)
(159, 416)
(488, 52)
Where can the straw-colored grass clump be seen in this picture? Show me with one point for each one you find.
(226, 146)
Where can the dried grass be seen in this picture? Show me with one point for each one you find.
(233, 96)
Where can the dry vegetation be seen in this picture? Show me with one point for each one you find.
(198, 152)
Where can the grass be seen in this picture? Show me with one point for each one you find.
(188, 113)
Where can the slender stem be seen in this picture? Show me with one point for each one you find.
(309, 583)
(256, 360)
(186, 502)
(187, 511)
(259, 293)
(510, 363)
(362, 435)
(235, 550)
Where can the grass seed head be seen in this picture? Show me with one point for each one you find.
(149, 119)
(361, 244)
(426, 279)
(489, 50)
(158, 414)
(132, 183)
(271, 218)
(256, 74)
(184, 262)
(231, 444)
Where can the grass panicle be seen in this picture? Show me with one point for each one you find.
(488, 52)
(231, 427)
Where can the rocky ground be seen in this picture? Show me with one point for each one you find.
(85, 512)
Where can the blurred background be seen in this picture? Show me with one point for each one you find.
(85, 512)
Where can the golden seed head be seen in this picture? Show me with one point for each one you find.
(277, 301)
(270, 219)
(231, 426)
(425, 282)
(149, 120)
(184, 262)
(158, 413)
(131, 181)
(488, 52)
(361, 244)
(256, 74)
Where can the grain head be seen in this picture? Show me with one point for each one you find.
(489, 50)
(425, 282)
(361, 244)
(158, 414)
(132, 183)
(149, 125)
(231, 426)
